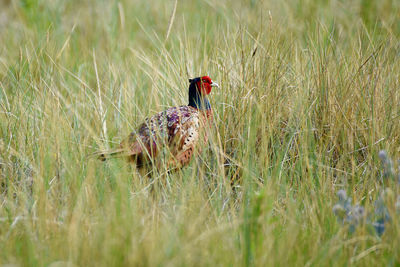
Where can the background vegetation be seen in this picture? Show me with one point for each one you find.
(309, 95)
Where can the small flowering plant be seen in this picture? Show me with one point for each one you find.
(347, 213)
(354, 215)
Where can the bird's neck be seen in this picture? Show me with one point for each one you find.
(196, 99)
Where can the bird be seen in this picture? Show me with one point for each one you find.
(178, 130)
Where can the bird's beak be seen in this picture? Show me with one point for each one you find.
(214, 84)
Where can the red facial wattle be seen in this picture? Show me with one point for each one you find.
(205, 87)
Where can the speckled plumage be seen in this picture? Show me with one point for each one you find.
(171, 136)
(178, 129)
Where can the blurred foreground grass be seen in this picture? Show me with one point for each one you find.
(309, 95)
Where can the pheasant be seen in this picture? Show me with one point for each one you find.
(179, 129)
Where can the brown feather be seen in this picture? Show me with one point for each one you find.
(177, 129)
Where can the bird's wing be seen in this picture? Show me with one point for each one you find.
(162, 129)
(176, 129)
(185, 138)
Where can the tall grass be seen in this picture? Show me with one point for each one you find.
(309, 95)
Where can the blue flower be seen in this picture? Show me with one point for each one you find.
(387, 164)
(398, 204)
(342, 195)
(379, 226)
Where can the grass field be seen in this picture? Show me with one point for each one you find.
(309, 94)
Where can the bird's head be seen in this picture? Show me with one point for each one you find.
(203, 84)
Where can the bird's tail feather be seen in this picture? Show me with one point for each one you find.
(120, 152)
(107, 154)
